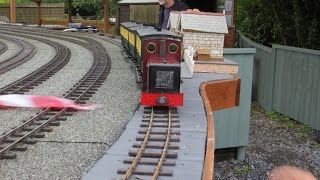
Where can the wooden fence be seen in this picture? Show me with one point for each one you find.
(27, 13)
(287, 80)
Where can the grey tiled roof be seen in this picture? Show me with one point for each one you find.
(200, 21)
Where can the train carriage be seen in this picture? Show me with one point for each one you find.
(124, 32)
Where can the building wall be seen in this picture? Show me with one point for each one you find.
(27, 13)
(199, 40)
(124, 13)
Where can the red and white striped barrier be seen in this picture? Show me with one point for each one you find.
(17, 100)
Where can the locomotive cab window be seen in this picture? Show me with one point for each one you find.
(151, 47)
(173, 48)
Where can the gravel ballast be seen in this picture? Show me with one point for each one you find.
(271, 144)
(50, 161)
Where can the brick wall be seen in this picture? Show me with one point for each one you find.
(199, 40)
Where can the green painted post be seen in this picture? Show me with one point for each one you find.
(232, 125)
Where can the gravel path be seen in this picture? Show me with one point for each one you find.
(273, 143)
(50, 161)
(77, 143)
(12, 50)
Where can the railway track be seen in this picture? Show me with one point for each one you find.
(156, 146)
(17, 138)
(130, 59)
(3, 47)
(134, 64)
(25, 53)
(35, 78)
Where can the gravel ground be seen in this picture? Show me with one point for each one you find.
(273, 143)
(77, 143)
(11, 51)
(50, 161)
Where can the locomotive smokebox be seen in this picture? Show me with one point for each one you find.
(164, 78)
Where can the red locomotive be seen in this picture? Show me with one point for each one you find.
(158, 53)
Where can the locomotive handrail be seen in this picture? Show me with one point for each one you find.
(216, 95)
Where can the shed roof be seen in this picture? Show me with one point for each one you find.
(138, 2)
(199, 21)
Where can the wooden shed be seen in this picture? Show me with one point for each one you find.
(147, 11)
(144, 11)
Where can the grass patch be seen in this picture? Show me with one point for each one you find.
(243, 170)
(315, 145)
(283, 120)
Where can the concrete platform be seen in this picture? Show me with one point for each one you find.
(193, 131)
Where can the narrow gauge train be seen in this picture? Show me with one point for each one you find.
(158, 53)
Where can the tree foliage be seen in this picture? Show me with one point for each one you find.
(287, 22)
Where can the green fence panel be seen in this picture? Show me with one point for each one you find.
(262, 72)
(297, 84)
(287, 80)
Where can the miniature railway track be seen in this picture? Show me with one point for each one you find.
(16, 139)
(130, 59)
(25, 53)
(3, 47)
(35, 78)
(156, 143)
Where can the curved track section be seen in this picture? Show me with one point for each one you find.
(3, 47)
(16, 139)
(28, 82)
(26, 52)
(130, 59)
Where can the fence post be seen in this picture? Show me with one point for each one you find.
(273, 74)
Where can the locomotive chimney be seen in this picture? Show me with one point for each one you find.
(159, 28)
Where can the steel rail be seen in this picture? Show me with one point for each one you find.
(138, 156)
(61, 58)
(25, 53)
(165, 149)
(3, 47)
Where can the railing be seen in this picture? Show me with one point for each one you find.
(216, 95)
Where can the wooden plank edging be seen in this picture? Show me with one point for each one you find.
(234, 84)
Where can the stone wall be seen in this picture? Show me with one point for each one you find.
(200, 40)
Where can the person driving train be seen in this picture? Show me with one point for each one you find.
(166, 7)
